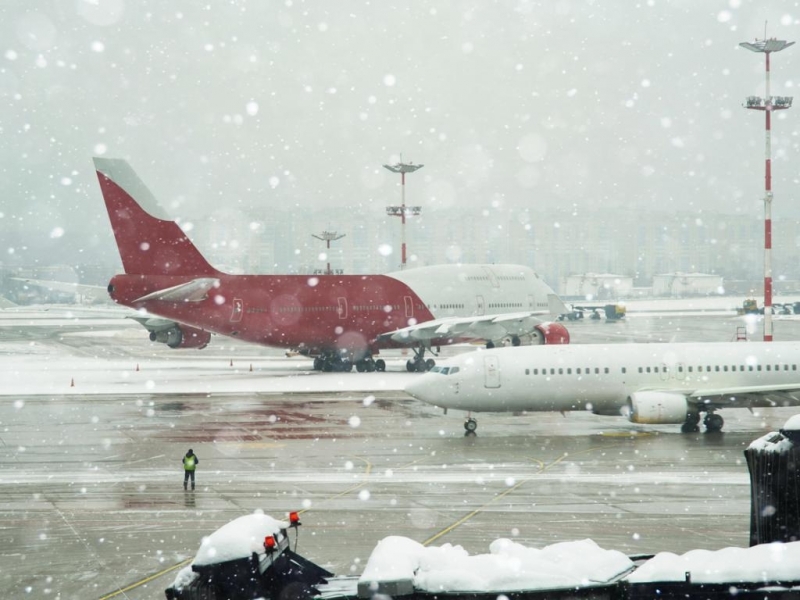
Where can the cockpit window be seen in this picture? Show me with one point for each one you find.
(444, 370)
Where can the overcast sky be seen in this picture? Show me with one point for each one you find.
(262, 105)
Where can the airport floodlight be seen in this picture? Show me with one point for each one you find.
(768, 104)
(403, 167)
(328, 237)
(767, 46)
(403, 211)
(408, 211)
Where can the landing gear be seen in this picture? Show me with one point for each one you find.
(713, 422)
(515, 341)
(419, 363)
(470, 425)
(368, 365)
(690, 426)
(489, 344)
(335, 362)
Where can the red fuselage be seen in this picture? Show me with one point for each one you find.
(311, 313)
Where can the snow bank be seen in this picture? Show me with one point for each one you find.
(238, 539)
(509, 566)
(759, 564)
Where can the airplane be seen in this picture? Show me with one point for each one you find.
(664, 383)
(340, 320)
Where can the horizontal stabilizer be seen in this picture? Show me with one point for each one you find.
(193, 291)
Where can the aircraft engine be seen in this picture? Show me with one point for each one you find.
(657, 408)
(550, 333)
(182, 336)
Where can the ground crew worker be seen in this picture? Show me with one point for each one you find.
(189, 465)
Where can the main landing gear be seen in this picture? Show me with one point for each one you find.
(340, 364)
(419, 363)
(712, 421)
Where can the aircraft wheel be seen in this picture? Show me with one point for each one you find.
(318, 364)
(327, 366)
(346, 366)
(380, 365)
(690, 425)
(411, 366)
(489, 345)
(370, 365)
(152, 336)
(714, 423)
(360, 366)
(429, 364)
(515, 341)
(470, 425)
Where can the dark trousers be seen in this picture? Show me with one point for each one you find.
(186, 475)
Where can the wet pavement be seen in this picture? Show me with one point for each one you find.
(92, 505)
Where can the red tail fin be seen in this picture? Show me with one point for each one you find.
(147, 243)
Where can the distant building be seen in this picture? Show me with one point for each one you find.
(596, 286)
(686, 284)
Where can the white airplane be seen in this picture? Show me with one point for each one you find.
(651, 383)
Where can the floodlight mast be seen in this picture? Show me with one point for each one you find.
(328, 237)
(403, 210)
(767, 104)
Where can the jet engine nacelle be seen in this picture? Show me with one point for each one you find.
(550, 333)
(182, 336)
(657, 408)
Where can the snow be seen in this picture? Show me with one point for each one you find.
(238, 539)
(772, 442)
(764, 563)
(792, 423)
(509, 566)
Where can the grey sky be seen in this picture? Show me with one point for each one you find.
(260, 105)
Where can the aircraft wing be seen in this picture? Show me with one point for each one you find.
(760, 396)
(486, 327)
(192, 291)
(93, 292)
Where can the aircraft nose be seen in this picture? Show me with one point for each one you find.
(421, 388)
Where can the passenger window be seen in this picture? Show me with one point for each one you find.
(445, 370)
(648, 369)
(527, 371)
(640, 369)
(605, 370)
(624, 370)
(569, 371)
(453, 370)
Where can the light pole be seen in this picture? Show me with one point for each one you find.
(403, 210)
(768, 104)
(328, 237)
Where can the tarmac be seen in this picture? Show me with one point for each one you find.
(92, 503)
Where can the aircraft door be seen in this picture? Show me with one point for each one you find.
(237, 310)
(481, 304)
(409, 305)
(491, 372)
(342, 308)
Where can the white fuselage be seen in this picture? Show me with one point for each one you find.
(601, 378)
(477, 290)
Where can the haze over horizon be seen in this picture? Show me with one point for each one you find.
(232, 109)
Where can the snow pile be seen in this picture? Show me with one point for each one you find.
(238, 539)
(771, 442)
(509, 566)
(760, 564)
(235, 540)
